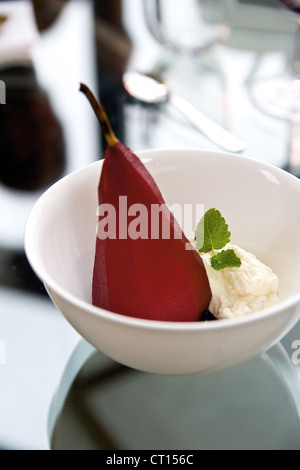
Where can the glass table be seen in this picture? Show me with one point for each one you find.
(56, 391)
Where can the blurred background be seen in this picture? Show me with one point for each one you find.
(47, 130)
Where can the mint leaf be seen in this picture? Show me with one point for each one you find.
(212, 232)
(225, 259)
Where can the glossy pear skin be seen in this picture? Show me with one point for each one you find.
(156, 279)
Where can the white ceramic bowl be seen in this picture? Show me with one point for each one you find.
(260, 203)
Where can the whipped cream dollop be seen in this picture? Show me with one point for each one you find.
(240, 291)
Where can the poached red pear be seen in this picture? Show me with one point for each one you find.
(141, 273)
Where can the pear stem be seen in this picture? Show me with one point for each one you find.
(109, 135)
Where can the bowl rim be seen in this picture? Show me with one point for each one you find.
(194, 326)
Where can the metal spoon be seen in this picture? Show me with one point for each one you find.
(150, 89)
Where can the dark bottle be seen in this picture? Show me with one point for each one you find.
(113, 48)
(292, 5)
(32, 143)
(47, 11)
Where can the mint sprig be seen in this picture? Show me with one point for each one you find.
(212, 234)
(225, 259)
